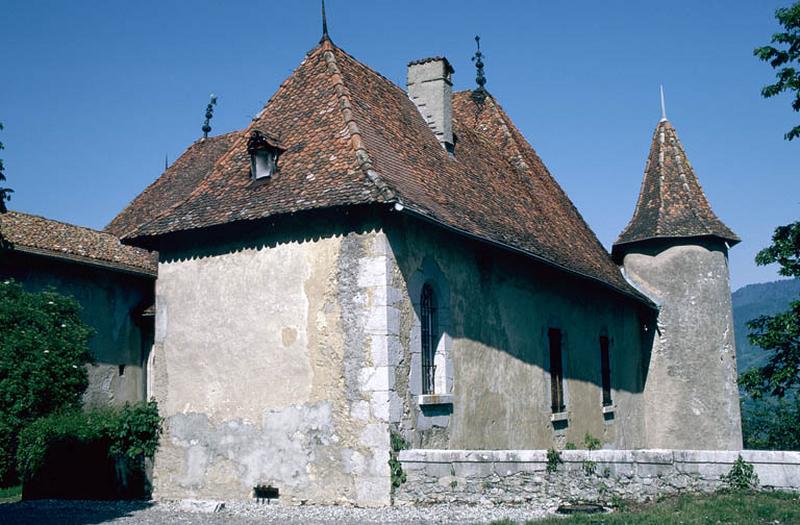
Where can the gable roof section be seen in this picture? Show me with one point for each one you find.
(671, 201)
(354, 137)
(174, 185)
(37, 235)
(324, 164)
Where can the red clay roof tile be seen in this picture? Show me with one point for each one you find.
(354, 137)
(671, 201)
(34, 234)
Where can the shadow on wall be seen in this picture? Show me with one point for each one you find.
(507, 302)
(58, 512)
(268, 233)
(476, 311)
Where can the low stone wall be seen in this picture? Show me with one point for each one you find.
(489, 477)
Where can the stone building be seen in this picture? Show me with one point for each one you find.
(362, 260)
(113, 284)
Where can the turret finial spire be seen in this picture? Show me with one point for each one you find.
(479, 93)
(663, 106)
(324, 23)
(209, 113)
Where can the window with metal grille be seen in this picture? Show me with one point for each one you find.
(556, 371)
(605, 371)
(430, 338)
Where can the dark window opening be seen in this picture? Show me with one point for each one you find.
(121, 370)
(556, 371)
(605, 371)
(430, 338)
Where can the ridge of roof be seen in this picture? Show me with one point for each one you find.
(562, 214)
(671, 201)
(39, 235)
(362, 156)
(304, 111)
(354, 137)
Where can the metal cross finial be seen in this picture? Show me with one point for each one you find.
(663, 107)
(479, 94)
(324, 22)
(209, 113)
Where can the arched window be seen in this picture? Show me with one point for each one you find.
(430, 337)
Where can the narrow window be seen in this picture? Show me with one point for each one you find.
(605, 371)
(430, 338)
(556, 371)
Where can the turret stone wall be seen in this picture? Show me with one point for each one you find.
(691, 395)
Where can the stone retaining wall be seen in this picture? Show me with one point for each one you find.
(600, 476)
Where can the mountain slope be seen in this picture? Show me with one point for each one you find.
(752, 301)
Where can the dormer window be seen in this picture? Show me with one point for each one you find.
(264, 151)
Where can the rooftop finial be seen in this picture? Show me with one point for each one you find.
(663, 107)
(479, 94)
(324, 22)
(209, 113)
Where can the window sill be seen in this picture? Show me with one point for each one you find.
(435, 399)
(609, 409)
(559, 416)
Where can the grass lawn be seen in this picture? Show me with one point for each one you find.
(744, 508)
(11, 494)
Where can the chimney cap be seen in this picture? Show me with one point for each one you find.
(421, 61)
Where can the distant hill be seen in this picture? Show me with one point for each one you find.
(752, 301)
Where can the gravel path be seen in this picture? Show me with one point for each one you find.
(201, 513)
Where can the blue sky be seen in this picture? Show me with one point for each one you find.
(96, 93)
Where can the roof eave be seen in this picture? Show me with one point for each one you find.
(619, 248)
(86, 261)
(631, 294)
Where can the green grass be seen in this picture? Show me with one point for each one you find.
(742, 508)
(10, 494)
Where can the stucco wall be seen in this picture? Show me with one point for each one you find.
(271, 368)
(495, 311)
(110, 303)
(691, 394)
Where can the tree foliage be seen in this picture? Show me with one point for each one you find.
(43, 350)
(785, 59)
(130, 434)
(771, 424)
(5, 193)
(780, 333)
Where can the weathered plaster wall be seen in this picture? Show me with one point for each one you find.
(691, 395)
(271, 368)
(600, 476)
(110, 303)
(499, 307)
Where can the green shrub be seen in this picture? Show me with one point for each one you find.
(397, 443)
(120, 437)
(591, 442)
(43, 350)
(742, 475)
(553, 459)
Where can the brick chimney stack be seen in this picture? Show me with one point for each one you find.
(430, 87)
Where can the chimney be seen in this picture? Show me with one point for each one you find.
(430, 87)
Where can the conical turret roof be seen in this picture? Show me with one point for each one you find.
(671, 201)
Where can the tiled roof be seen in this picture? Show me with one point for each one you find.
(671, 202)
(354, 137)
(174, 186)
(34, 234)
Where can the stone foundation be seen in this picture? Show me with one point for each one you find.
(488, 477)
